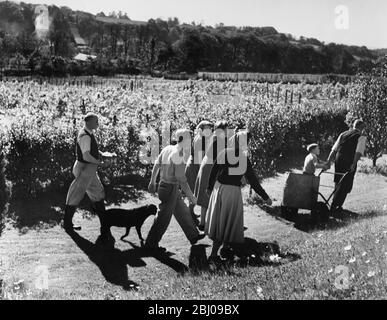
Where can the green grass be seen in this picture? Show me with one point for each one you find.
(365, 166)
(79, 269)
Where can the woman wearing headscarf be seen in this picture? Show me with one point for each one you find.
(224, 220)
(216, 145)
(200, 144)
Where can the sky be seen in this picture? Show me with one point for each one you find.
(352, 22)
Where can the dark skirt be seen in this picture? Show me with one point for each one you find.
(224, 218)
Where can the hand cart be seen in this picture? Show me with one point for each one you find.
(301, 192)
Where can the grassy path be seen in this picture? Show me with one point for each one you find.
(79, 269)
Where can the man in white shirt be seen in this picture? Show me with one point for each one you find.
(171, 165)
(347, 151)
(85, 173)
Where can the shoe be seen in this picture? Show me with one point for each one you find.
(199, 237)
(227, 253)
(215, 261)
(71, 228)
(195, 220)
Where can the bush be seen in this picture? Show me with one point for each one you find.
(285, 131)
(4, 192)
(42, 147)
(369, 100)
(42, 156)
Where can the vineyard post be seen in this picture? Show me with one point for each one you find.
(299, 98)
(291, 98)
(278, 93)
(286, 96)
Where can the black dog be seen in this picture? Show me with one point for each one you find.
(125, 218)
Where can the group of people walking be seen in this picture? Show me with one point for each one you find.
(209, 171)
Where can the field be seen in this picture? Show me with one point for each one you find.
(345, 259)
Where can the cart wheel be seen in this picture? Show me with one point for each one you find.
(288, 212)
(320, 212)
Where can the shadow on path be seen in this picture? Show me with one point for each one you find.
(113, 262)
(250, 253)
(304, 221)
(47, 209)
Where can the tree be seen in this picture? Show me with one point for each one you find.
(60, 36)
(4, 192)
(369, 99)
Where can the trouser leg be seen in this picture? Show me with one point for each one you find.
(168, 196)
(75, 194)
(95, 189)
(84, 175)
(342, 189)
(68, 218)
(184, 219)
(100, 210)
(215, 248)
(338, 199)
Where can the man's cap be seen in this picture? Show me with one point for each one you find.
(358, 124)
(89, 116)
(203, 124)
(311, 147)
(182, 134)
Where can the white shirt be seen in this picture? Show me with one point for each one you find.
(172, 165)
(361, 144)
(85, 141)
(310, 163)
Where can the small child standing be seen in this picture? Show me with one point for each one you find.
(312, 162)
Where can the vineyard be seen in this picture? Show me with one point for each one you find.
(39, 122)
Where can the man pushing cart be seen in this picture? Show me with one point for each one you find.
(347, 151)
(302, 190)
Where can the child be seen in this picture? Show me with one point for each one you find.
(312, 162)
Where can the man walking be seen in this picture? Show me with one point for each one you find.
(171, 164)
(85, 172)
(347, 151)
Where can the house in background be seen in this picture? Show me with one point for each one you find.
(80, 43)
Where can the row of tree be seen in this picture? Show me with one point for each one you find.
(160, 45)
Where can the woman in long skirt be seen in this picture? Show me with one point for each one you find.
(200, 145)
(217, 144)
(224, 220)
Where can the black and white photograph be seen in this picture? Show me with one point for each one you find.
(193, 155)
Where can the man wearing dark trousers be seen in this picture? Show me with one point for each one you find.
(347, 151)
(85, 173)
(171, 165)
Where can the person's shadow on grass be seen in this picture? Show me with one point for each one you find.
(113, 262)
(250, 253)
(306, 223)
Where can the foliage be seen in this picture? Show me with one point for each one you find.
(4, 192)
(159, 45)
(41, 146)
(370, 104)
